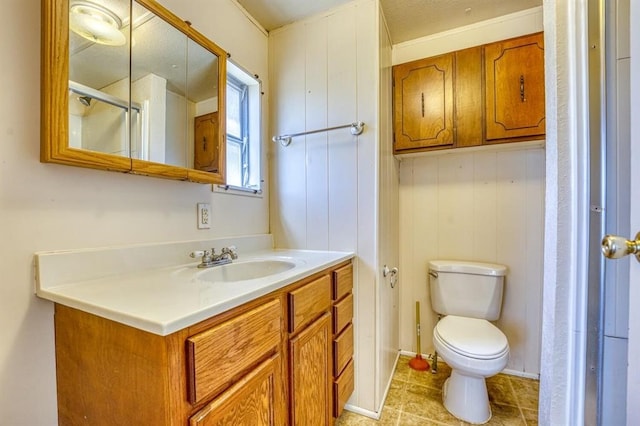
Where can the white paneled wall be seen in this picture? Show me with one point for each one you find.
(326, 71)
(485, 206)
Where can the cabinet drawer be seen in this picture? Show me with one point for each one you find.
(342, 281)
(217, 356)
(342, 350)
(309, 302)
(342, 313)
(342, 389)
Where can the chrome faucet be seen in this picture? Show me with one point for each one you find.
(210, 258)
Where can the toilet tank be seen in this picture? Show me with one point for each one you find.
(467, 289)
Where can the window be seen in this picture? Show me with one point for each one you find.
(243, 131)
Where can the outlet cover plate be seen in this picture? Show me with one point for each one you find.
(204, 216)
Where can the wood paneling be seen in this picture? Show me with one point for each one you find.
(311, 386)
(91, 388)
(219, 355)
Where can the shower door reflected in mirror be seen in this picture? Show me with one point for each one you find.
(99, 77)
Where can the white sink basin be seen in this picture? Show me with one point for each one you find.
(243, 271)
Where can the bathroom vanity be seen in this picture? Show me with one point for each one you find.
(173, 346)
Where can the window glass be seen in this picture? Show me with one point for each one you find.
(243, 130)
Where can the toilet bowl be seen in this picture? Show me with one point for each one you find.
(467, 295)
(474, 349)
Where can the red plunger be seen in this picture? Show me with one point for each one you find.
(418, 363)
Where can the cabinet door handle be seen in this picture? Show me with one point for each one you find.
(522, 98)
(204, 143)
(422, 104)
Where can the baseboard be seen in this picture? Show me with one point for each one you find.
(521, 374)
(505, 371)
(373, 414)
(362, 412)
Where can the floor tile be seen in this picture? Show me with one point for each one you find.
(426, 402)
(526, 391)
(530, 416)
(415, 398)
(500, 390)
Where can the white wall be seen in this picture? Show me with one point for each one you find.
(48, 206)
(508, 26)
(475, 205)
(388, 297)
(484, 206)
(324, 72)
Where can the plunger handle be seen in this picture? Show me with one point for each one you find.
(418, 326)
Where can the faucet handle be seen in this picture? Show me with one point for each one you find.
(200, 253)
(231, 251)
(197, 253)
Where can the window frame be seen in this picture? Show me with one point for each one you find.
(251, 129)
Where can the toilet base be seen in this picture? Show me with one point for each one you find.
(466, 398)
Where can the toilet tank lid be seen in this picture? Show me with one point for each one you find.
(465, 267)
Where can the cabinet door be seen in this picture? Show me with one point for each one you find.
(515, 88)
(252, 401)
(206, 142)
(423, 103)
(311, 378)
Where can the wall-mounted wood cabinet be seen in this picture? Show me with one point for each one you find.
(482, 95)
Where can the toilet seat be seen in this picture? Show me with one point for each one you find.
(471, 337)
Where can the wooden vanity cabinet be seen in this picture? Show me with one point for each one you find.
(514, 88)
(423, 103)
(267, 362)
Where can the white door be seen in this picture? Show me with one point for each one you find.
(633, 373)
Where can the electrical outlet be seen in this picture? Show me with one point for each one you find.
(204, 216)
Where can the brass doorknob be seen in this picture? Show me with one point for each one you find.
(615, 247)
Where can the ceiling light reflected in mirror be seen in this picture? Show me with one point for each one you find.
(96, 23)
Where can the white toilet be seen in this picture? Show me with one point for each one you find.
(469, 294)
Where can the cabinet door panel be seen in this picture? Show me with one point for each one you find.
(423, 103)
(515, 88)
(311, 382)
(252, 401)
(206, 146)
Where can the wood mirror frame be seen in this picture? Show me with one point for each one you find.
(55, 102)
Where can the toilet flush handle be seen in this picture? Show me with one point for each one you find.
(433, 274)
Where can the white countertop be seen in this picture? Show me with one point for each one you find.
(162, 300)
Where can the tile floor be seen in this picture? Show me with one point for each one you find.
(415, 398)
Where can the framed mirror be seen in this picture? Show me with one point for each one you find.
(128, 86)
